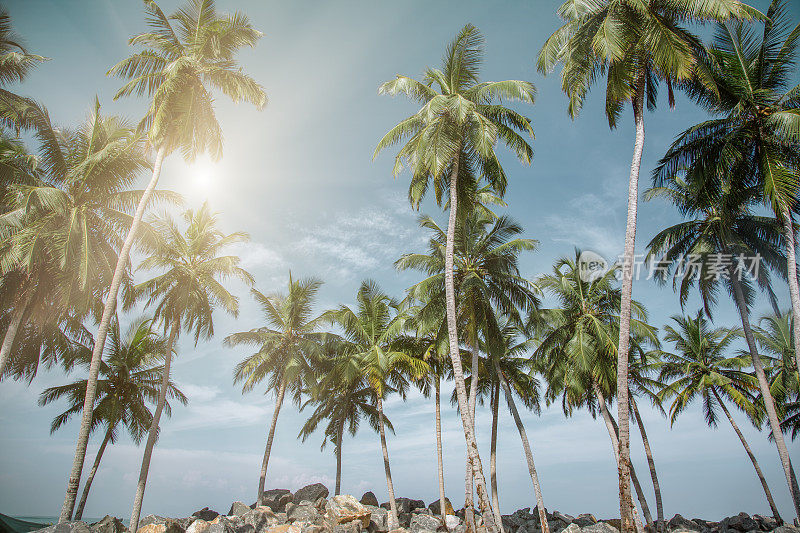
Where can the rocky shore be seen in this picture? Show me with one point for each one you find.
(310, 510)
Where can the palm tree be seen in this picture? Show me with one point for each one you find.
(700, 369)
(178, 65)
(370, 334)
(485, 272)
(711, 249)
(184, 296)
(636, 45)
(285, 347)
(64, 226)
(757, 110)
(15, 65)
(450, 142)
(130, 380)
(774, 334)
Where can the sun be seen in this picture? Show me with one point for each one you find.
(202, 175)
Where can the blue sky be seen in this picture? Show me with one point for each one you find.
(299, 177)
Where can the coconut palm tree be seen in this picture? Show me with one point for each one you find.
(286, 346)
(15, 65)
(370, 334)
(486, 274)
(774, 335)
(63, 229)
(130, 380)
(184, 57)
(184, 296)
(756, 127)
(450, 143)
(700, 369)
(636, 46)
(723, 245)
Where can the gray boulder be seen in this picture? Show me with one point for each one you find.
(572, 528)
(766, 523)
(741, 522)
(585, 519)
(344, 508)
(512, 522)
(159, 524)
(238, 509)
(303, 513)
(565, 518)
(424, 523)
(261, 518)
(347, 527)
(108, 524)
(311, 493)
(378, 519)
(275, 499)
(206, 514)
(786, 529)
(600, 527)
(66, 527)
(221, 524)
(448, 507)
(369, 499)
(679, 522)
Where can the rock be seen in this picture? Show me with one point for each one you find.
(285, 528)
(261, 518)
(448, 507)
(320, 505)
(303, 513)
(741, 522)
(273, 498)
(405, 505)
(152, 519)
(162, 527)
(565, 518)
(238, 509)
(282, 517)
(344, 508)
(398, 530)
(424, 523)
(679, 522)
(512, 522)
(66, 527)
(221, 524)
(524, 514)
(347, 527)
(766, 523)
(108, 524)
(600, 527)
(311, 493)
(206, 514)
(585, 519)
(404, 519)
(451, 521)
(369, 499)
(782, 529)
(245, 528)
(378, 519)
(198, 526)
(572, 528)
(313, 528)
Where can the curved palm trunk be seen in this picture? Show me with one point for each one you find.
(439, 462)
(493, 457)
(455, 359)
(153, 435)
(624, 463)
(338, 489)
(527, 447)
(100, 341)
(613, 433)
(11, 332)
(752, 457)
(88, 485)
(794, 291)
(769, 402)
(263, 477)
(651, 464)
(394, 522)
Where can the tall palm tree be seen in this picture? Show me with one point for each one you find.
(450, 142)
(15, 65)
(636, 45)
(370, 334)
(720, 224)
(757, 120)
(700, 369)
(64, 225)
(185, 56)
(486, 274)
(285, 347)
(774, 335)
(184, 296)
(130, 380)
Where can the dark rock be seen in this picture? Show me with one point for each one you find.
(404, 518)
(261, 518)
(679, 522)
(424, 523)
(766, 523)
(600, 527)
(206, 514)
(448, 507)
(273, 498)
(565, 518)
(238, 509)
(369, 499)
(347, 527)
(221, 524)
(311, 493)
(512, 522)
(741, 522)
(786, 529)
(108, 524)
(585, 519)
(66, 527)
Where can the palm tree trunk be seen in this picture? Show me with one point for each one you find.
(752, 457)
(613, 433)
(469, 505)
(652, 464)
(493, 457)
(263, 477)
(92, 472)
(338, 488)
(769, 402)
(153, 435)
(455, 359)
(525, 446)
(624, 463)
(394, 521)
(11, 331)
(794, 291)
(100, 341)
(440, 465)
